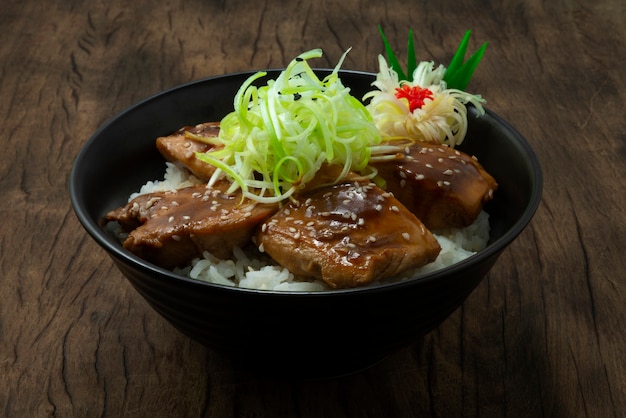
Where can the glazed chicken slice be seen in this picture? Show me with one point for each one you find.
(443, 187)
(347, 235)
(180, 147)
(171, 228)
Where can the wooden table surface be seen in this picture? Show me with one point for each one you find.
(543, 335)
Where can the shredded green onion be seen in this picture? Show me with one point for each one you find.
(210, 140)
(280, 134)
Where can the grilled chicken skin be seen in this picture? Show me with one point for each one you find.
(443, 187)
(170, 228)
(347, 235)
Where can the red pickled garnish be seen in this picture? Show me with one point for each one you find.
(415, 95)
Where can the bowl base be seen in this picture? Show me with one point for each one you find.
(308, 367)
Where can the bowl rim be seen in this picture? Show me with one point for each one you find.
(118, 252)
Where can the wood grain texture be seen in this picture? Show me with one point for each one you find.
(543, 335)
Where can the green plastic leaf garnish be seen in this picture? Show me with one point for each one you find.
(458, 73)
(391, 56)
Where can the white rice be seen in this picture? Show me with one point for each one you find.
(175, 178)
(252, 269)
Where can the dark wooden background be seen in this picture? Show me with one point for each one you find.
(543, 335)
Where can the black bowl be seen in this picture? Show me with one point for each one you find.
(305, 334)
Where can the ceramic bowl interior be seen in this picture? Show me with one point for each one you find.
(326, 333)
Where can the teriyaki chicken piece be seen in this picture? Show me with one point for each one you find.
(442, 186)
(347, 235)
(171, 228)
(181, 147)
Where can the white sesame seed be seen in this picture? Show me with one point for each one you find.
(394, 208)
(151, 202)
(406, 236)
(429, 166)
(402, 183)
(176, 238)
(419, 177)
(170, 219)
(378, 207)
(175, 203)
(448, 172)
(186, 218)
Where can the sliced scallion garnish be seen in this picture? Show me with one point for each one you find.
(280, 134)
